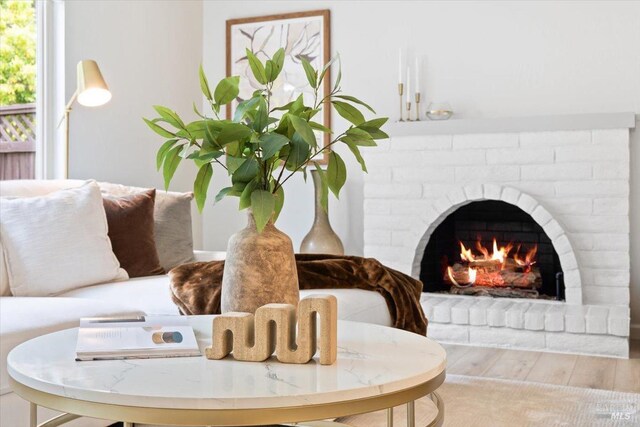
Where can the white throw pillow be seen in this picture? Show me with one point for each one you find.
(57, 242)
(5, 290)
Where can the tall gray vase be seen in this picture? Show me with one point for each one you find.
(321, 239)
(260, 268)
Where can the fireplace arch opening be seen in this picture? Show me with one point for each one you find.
(491, 247)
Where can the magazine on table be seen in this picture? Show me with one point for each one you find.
(138, 337)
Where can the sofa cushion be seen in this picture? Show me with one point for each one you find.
(357, 305)
(150, 294)
(57, 242)
(5, 289)
(130, 220)
(172, 213)
(24, 318)
(172, 216)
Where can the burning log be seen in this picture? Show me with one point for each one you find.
(494, 269)
(493, 274)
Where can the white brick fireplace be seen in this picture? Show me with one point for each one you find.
(570, 173)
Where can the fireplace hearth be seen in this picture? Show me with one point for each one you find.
(492, 248)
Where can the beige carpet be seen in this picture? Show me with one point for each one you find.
(479, 402)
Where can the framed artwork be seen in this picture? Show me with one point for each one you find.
(302, 35)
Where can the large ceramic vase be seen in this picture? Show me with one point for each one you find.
(260, 268)
(321, 239)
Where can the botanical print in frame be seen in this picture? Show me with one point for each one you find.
(302, 35)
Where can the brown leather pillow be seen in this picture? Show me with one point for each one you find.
(130, 220)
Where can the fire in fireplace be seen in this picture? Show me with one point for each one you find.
(517, 260)
(505, 267)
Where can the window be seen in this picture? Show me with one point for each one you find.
(18, 37)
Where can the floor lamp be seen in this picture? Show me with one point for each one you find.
(92, 91)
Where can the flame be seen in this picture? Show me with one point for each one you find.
(529, 258)
(472, 275)
(466, 254)
(498, 253)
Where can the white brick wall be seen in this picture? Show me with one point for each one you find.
(574, 183)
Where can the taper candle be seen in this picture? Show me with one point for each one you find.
(400, 66)
(417, 75)
(408, 84)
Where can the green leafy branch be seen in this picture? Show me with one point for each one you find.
(262, 146)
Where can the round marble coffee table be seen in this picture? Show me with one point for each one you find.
(377, 368)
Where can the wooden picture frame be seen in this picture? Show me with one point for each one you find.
(310, 32)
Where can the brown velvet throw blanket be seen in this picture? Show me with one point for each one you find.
(195, 287)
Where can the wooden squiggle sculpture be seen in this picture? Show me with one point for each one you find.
(273, 328)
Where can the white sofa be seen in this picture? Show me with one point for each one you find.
(23, 318)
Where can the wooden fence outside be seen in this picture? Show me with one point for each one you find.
(17, 141)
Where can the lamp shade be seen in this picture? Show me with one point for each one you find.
(92, 89)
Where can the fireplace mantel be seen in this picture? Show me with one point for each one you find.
(514, 124)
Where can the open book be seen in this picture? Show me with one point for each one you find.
(142, 337)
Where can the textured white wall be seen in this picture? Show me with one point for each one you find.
(149, 54)
(488, 59)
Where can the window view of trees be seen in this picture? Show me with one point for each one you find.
(17, 52)
(17, 89)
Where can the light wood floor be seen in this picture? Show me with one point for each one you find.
(550, 368)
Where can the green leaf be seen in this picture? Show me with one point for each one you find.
(305, 131)
(375, 123)
(245, 106)
(171, 162)
(336, 173)
(233, 132)
(321, 128)
(210, 156)
(326, 68)
(299, 152)
(262, 205)
(312, 74)
(358, 141)
(271, 143)
(336, 86)
(245, 197)
(261, 117)
(269, 70)
(201, 185)
(222, 193)
(159, 130)
(195, 110)
(278, 62)
(355, 101)
(233, 163)
(204, 84)
(297, 106)
(162, 152)
(256, 67)
(349, 112)
(227, 90)
(246, 172)
(170, 116)
(374, 132)
(279, 203)
(358, 136)
(324, 195)
(356, 152)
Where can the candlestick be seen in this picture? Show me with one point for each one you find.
(408, 84)
(409, 111)
(417, 75)
(400, 92)
(417, 106)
